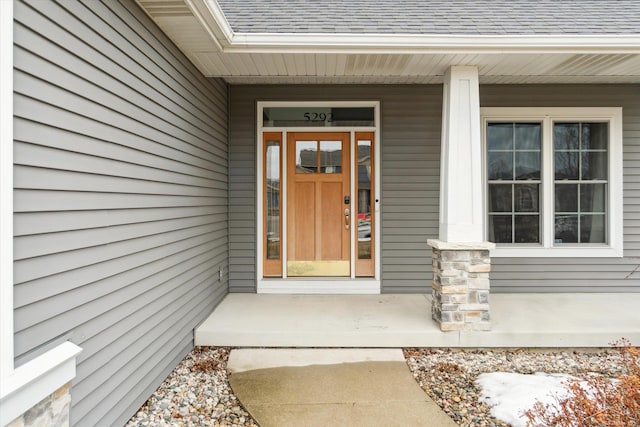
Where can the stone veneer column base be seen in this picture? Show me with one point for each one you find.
(53, 411)
(460, 288)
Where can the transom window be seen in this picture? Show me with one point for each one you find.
(554, 181)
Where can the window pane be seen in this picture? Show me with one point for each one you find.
(566, 136)
(500, 198)
(500, 228)
(566, 198)
(595, 136)
(592, 229)
(566, 229)
(594, 165)
(567, 164)
(318, 116)
(306, 156)
(500, 165)
(526, 198)
(592, 198)
(528, 165)
(364, 200)
(330, 156)
(500, 136)
(273, 199)
(527, 229)
(527, 136)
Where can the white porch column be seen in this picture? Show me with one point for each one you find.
(461, 259)
(461, 212)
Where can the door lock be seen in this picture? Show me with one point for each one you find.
(347, 215)
(347, 200)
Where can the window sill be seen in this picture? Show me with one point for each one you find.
(557, 252)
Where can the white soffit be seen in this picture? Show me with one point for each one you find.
(200, 30)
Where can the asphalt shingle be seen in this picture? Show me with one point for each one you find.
(438, 17)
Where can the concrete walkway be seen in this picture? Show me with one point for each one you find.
(518, 320)
(322, 387)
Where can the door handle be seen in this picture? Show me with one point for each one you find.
(346, 218)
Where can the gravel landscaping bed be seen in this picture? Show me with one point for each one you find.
(197, 392)
(448, 376)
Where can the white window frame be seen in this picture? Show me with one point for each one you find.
(547, 116)
(321, 285)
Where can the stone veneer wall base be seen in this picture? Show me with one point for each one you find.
(460, 287)
(52, 411)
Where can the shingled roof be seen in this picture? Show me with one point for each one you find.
(438, 17)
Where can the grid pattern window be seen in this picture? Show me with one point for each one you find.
(580, 181)
(554, 181)
(514, 154)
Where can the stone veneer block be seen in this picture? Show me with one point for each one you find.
(460, 286)
(52, 411)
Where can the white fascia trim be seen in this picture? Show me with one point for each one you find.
(212, 19)
(6, 188)
(401, 43)
(36, 379)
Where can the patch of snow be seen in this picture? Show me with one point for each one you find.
(509, 394)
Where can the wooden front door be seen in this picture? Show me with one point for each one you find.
(318, 204)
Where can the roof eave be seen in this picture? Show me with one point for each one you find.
(419, 43)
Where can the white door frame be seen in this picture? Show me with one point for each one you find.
(316, 285)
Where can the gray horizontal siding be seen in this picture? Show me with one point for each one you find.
(579, 274)
(121, 218)
(410, 147)
(411, 121)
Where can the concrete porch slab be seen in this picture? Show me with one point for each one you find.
(389, 320)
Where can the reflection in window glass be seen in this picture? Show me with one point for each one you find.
(311, 116)
(513, 169)
(306, 156)
(273, 199)
(331, 156)
(364, 200)
(581, 175)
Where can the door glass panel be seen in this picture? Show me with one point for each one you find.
(306, 156)
(331, 156)
(273, 199)
(364, 200)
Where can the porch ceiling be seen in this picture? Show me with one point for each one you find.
(200, 30)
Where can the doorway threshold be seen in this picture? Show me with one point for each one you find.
(319, 285)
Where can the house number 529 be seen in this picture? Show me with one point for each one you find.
(317, 117)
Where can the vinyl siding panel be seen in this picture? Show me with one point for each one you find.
(121, 198)
(410, 177)
(410, 148)
(578, 274)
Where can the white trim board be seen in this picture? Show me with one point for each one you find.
(36, 379)
(211, 17)
(307, 288)
(319, 286)
(427, 43)
(6, 189)
(23, 387)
